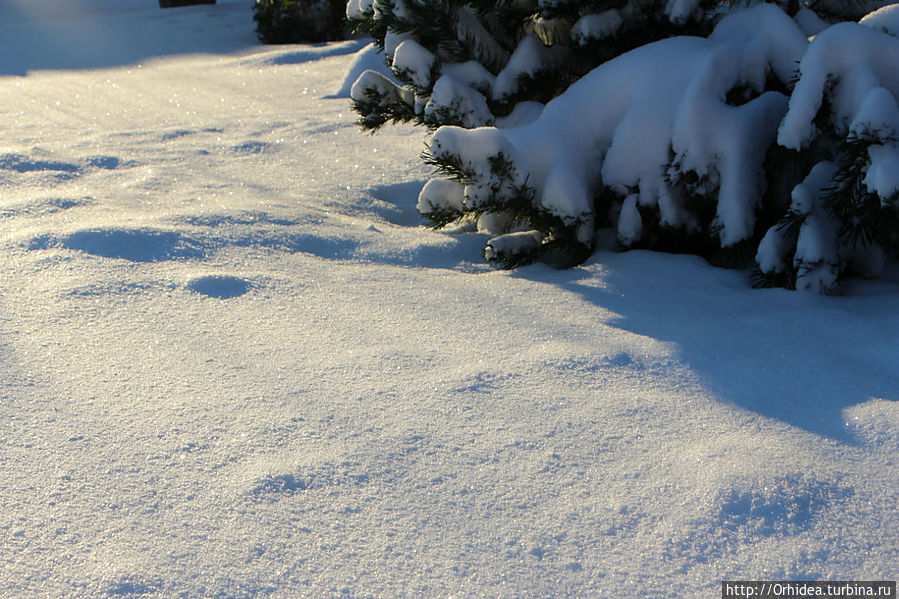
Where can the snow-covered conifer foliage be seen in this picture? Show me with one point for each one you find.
(298, 21)
(652, 139)
(481, 63)
(750, 135)
(843, 114)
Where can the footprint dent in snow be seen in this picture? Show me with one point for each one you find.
(135, 245)
(40, 207)
(252, 147)
(107, 163)
(272, 486)
(219, 286)
(19, 163)
(783, 506)
(133, 586)
(60, 170)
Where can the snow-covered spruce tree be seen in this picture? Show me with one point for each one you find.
(672, 145)
(476, 63)
(690, 144)
(667, 144)
(844, 217)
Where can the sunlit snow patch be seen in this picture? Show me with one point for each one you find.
(874, 422)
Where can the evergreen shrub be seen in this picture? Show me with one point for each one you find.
(299, 21)
(740, 131)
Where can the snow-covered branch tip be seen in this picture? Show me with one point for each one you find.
(378, 100)
(448, 165)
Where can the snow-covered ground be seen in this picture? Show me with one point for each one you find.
(234, 364)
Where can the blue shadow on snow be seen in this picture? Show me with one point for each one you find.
(135, 245)
(782, 354)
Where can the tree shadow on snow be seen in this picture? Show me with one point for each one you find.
(58, 36)
(397, 204)
(786, 355)
(134, 245)
(311, 52)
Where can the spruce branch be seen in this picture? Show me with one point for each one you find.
(447, 165)
(859, 212)
(440, 217)
(791, 225)
(376, 109)
(444, 116)
(769, 280)
(512, 260)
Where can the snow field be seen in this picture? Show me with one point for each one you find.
(233, 364)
